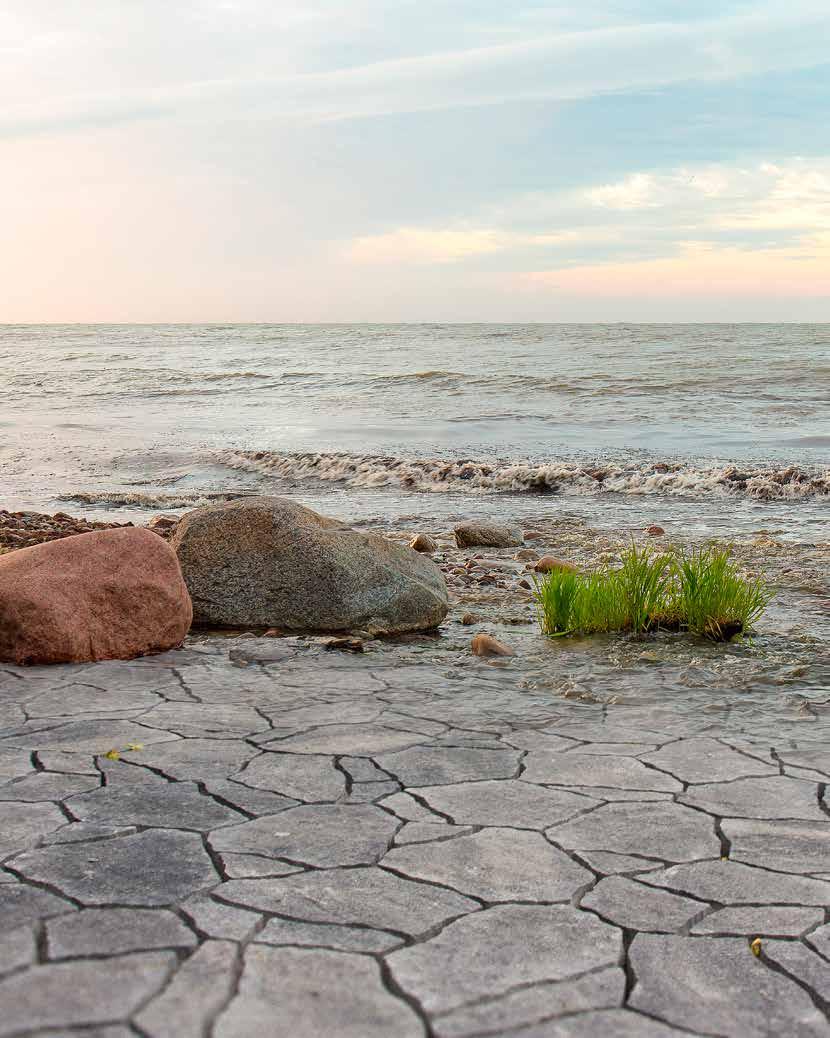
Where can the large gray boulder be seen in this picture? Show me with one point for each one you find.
(266, 561)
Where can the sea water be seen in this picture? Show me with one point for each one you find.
(711, 427)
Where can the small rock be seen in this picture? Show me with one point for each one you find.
(655, 531)
(548, 563)
(470, 618)
(532, 535)
(424, 543)
(487, 535)
(525, 584)
(487, 645)
(526, 554)
(273, 632)
(345, 644)
(163, 524)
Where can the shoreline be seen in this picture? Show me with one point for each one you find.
(491, 592)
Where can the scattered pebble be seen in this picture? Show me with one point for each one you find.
(487, 645)
(470, 618)
(345, 645)
(424, 543)
(163, 525)
(23, 529)
(655, 531)
(548, 563)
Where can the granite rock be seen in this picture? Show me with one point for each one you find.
(269, 562)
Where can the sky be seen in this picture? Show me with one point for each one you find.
(414, 160)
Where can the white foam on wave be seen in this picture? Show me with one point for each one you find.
(141, 499)
(761, 483)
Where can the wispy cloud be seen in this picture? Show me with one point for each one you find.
(561, 66)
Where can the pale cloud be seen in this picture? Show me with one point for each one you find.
(416, 245)
(792, 194)
(700, 269)
(639, 191)
(789, 197)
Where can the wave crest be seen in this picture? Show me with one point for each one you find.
(761, 483)
(141, 499)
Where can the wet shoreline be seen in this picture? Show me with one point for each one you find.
(778, 680)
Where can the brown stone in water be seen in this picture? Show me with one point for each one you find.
(487, 645)
(424, 543)
(548, 563)
(110, 594)
(470, 618)
(655, 531)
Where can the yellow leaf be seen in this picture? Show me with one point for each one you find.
(112, 755)
(756, 947)
(135, 746)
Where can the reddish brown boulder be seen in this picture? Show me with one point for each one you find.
(111, 594)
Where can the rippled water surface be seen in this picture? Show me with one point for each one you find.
(719, 423)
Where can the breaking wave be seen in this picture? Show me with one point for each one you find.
(761, 483)
(139, 499)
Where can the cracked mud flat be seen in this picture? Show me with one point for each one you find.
(406, 842)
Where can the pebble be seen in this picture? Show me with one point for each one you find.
(345, 645)
(163, 525)
(487, 645)
(548, 563)
(487, 535)
(424, 543)
(470, 618)
(24, 529)
(655, 531)
(526, 554)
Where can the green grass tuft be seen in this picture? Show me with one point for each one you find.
(701, 592)
(556, 601)
(714, 599)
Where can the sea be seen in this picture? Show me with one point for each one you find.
(703, 429)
